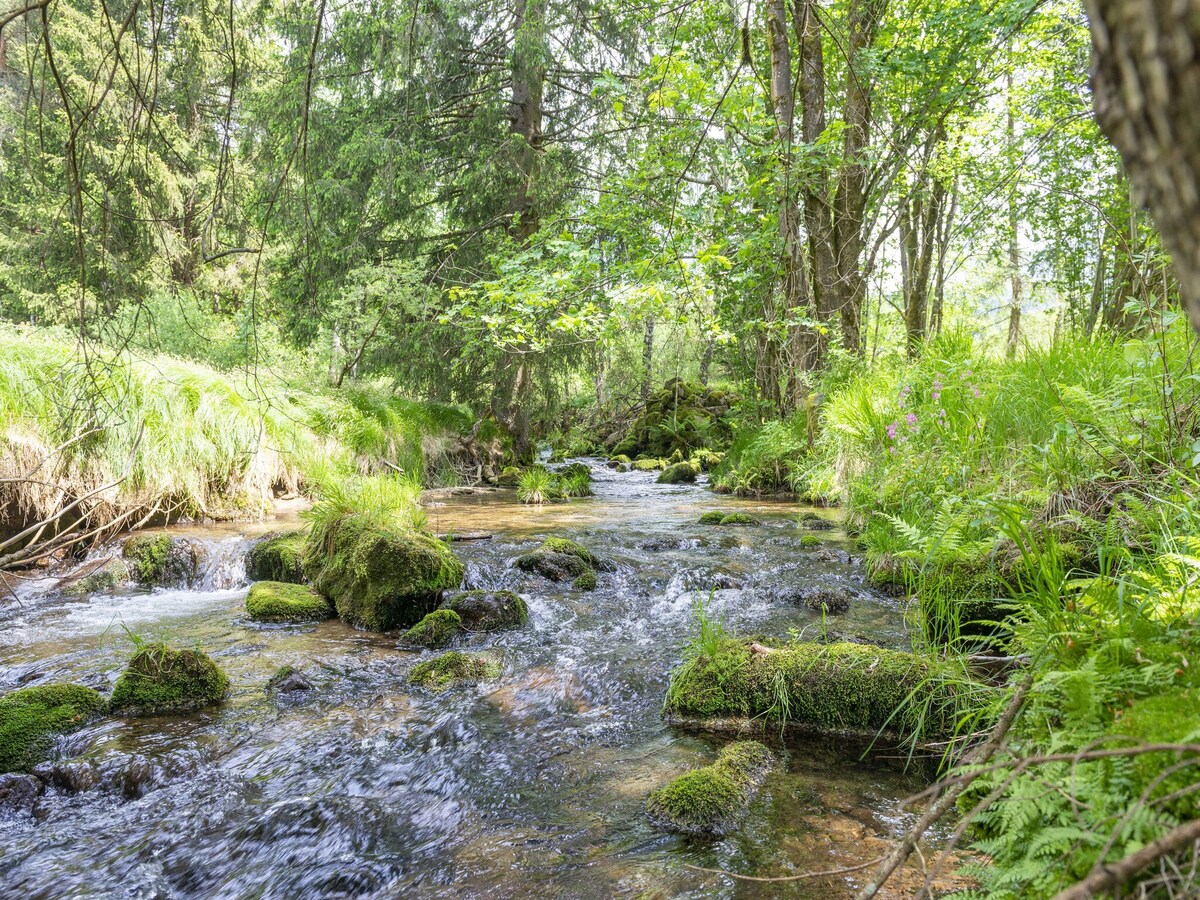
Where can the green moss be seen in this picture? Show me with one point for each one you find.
(554, 566)
(679, 473)
(510, 476)
(836, 687)
(563, 545)
(621, 459)
(442, 671)
(711, 801)
(278, 558)
(488, 610)
(160, 680)
(1169, 718)
(648, 465)
(712, 517)
(277, 601)
(585, 582)
(147, 556)
(809, 541)
(112, 575)
(437, 629)
(381, 579)
(739, 519)
(31, 718)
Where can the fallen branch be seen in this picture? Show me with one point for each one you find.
(1116, 874)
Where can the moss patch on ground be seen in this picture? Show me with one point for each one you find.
(277, 601)
(278, 558)
(488, 610)
(835, 688)
(161, 680)
(450, 668)
(381, 579)
(32, 718)
(1169, 718)
(711, 801)
(437, 629)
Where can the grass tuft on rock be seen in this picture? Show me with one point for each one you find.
(277, 601)
(160, 680)
(441, 672)
(712, 801)
(32, 718)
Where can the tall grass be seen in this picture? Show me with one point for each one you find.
(161, 434)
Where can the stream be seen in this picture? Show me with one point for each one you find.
(530, 784)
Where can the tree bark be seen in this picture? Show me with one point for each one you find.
(1146, 80)
(648, 359)
(1014, 238)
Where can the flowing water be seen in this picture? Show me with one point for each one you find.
(533, 783)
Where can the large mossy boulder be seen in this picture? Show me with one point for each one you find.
(441, 672)
(679, 473)
(32, 718)
(713, 800)
(159, 560)
(840, 688)
(379, 578)
(488, 610)
(161, 680)
(278, 557)
(679, 417)
(278, 601)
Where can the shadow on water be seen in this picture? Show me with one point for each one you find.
(532, 783)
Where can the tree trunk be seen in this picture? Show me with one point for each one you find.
(1014, 239)
(706, 360)
(648, 359)
(801, 344)
(1146, 79)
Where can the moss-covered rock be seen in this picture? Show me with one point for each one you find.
(510, 476)
(832, 688)
(437, 629)
(554, 566)
(104, 578)
(809, 542)
(279, 557)
(278, 601)
(712, 801)
(828, 598)
(488, 610)
(679, 473)
(585, 582)
(31, 718)
(442, 671)
(160, 560)
(815, 522)
(288, 680)
(648, 465)
(717, 517)
(559, 559)
(160, 680)
(678, 418)
(620, 459)
(381, 579)
(707, 458)
(1172, 717)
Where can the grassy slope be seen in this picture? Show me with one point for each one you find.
(191, 438)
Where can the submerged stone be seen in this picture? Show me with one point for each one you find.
(104, 578)
(381, 579)
(32, 718)
(160, 680)
(288, 681)
(437, 629)
(840, 688)
(277, 601)
(482, 610)
(712, 801)
(442, 671)
(19, 793)
(279, 557)
(829, 598)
